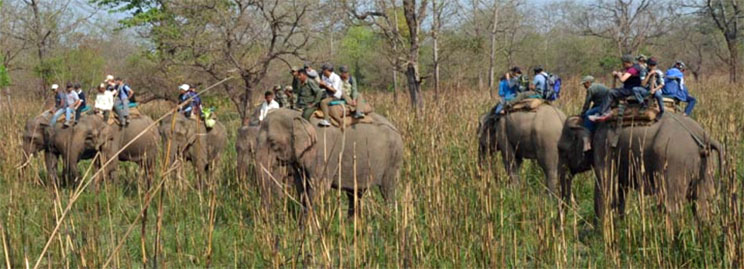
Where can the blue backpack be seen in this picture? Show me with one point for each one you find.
(553, 91)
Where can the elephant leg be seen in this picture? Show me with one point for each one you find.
(70, 172)
(389, 182)
(511, 165)
(51, 160)
(549, 165)
(354, 202)
(602, 192)
(705, 191)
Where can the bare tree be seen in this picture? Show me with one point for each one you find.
(630, 24)
(404, 55)
(437, 8)
(726, 15)
(242, 38)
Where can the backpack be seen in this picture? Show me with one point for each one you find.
(553, 87)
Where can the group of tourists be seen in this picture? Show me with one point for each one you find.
(311, 91)
(641, 78)
(113, 95)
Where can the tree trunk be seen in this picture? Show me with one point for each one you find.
(395, 85)
(492, 52)
(414, 86)
(731, 43)
(435, 37)
(246, 101)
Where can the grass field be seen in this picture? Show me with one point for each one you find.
(448, 213)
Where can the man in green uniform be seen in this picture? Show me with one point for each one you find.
(280, 97)
(308, 93)
(595, 96)
(351, 89)
(291, 98)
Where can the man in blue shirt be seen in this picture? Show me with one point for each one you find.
(674, 85)
(121, 101)
(540, 82)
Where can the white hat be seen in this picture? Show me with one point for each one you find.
(102, 85)
(109, 78)
(184, 87)
(55, 86)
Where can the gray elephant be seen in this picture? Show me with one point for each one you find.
(671, 156)
(38, 137)
(355, 159)
(524, 135)
(140, 138)
(190, 140)
(245, 147)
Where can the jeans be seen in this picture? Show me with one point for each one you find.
(68, 115)
(641, 93)
(587, 123)
(78, 111)
(691, 101)
(615, 94)
(121, 107)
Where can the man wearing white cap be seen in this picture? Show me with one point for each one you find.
(183, 97)
(62, 105)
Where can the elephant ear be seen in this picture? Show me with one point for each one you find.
(303, 137)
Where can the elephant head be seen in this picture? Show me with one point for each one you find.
(33, 137)
(245, 146)
(571, 146)
(284, 139)
(486, 137)
(179, 134)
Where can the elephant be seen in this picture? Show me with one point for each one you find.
(524, 135)
(245, 147)
(671, 156)
(88, 137)
(355, 159)
(92, 135)
(39, 137)
(191, 140)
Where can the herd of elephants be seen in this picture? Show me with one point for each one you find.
(673, 156)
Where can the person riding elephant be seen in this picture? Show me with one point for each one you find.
(190, 139)
(671, 156)
(524, 135)
(370, 155)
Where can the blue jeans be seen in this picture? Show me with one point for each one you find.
(691, 101)
(590, 125)
(640, 94)
(68, 115)
(121, 107)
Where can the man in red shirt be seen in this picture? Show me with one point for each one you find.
(630, 77)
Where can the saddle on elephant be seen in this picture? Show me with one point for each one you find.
(631, 112)
(341, 112)
(526, 105)
(134, 113)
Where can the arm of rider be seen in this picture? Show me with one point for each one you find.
(587, 102)
(623, 76)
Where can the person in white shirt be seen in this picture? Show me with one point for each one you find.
(268, 105)
(334, 87)
(104, 101)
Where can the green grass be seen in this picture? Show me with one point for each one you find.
(448, 213)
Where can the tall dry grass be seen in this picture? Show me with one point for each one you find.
(448, 213)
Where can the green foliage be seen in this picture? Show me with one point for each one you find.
(4, 76)
(83, 65)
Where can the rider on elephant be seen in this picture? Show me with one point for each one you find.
(335, 92)
(512, 89)
(308, 93)
(630, 77)
(351, 89)
(280, 97)
(596, 93)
